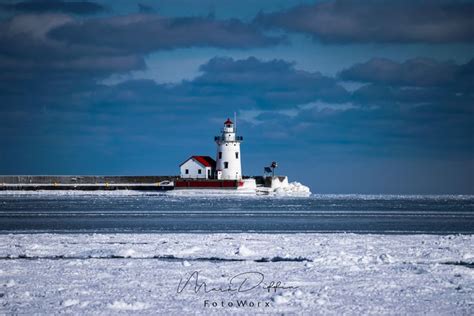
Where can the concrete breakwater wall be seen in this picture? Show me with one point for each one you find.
(89, 183)
(46, 179)
(84, 183)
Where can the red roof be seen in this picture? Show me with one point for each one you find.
(228, 121)
(206, 161)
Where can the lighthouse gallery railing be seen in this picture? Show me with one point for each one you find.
(221, 138)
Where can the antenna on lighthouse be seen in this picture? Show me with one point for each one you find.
(235, 121)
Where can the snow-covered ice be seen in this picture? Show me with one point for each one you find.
(319, 273)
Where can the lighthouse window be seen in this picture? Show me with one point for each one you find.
(220, 155)
(226, 165)
(199, 171)
(186, 171)
(237, 155)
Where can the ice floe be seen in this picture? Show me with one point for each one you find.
(319, 273)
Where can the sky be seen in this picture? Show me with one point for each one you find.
(347, 96)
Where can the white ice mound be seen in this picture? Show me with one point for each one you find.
(293, 189)
(244, 251)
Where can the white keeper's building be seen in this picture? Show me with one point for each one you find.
(198, 167)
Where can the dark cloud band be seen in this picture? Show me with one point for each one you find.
(42, 6)
(421, 72)
(349, 21)
(145, 33)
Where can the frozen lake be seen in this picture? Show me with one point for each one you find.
(111, 212)
(127, 253)
(164, 274)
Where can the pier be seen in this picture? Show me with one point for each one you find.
(91, 183)
(84, 183)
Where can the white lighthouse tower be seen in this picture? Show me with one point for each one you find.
(228, 166)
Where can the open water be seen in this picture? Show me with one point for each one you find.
(73, 211)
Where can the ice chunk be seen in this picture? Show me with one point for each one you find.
(293, 189)
(186, 263)
(10, 283)
(190, 250)
(244, 251)
(121, 305)
(69, 302)
(384, 258)
(280, 299)
(127, 253)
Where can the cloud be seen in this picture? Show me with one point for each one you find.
(42, 37)
(58, 52)
(431, 129)
(421, 72)
(143, 8)
(33, 64)
(25, 37)
(348, 21)
(232, 84)
(273, 83)
(281, 103)
(145, 33)
(416, 81)
(43, 6)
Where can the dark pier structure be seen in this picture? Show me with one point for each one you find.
(87, 183)
(96, 183)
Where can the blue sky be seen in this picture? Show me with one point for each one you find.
(348, 96)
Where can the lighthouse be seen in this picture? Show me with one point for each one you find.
(228, 166)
